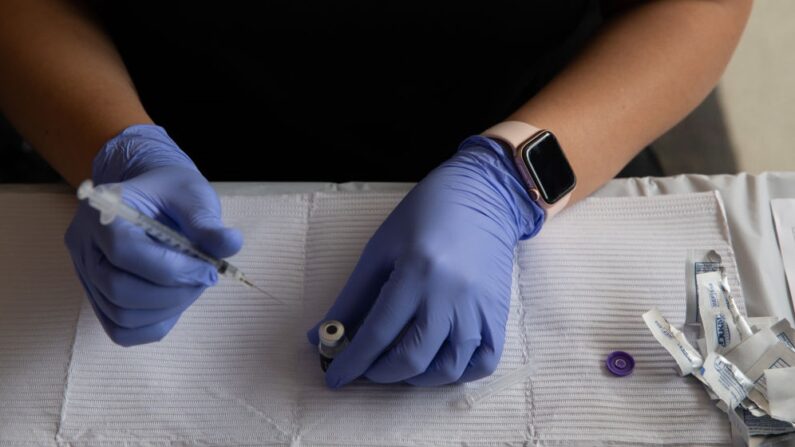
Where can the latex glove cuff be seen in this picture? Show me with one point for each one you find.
(137, 149)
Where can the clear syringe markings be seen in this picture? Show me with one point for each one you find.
(472, 397)
(107, 199)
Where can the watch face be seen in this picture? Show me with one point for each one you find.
(547, 164)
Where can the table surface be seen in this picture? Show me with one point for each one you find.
(746, 199)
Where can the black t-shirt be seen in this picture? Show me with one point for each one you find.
(338, 91)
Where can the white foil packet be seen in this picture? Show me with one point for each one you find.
(724, 326)
(781, 393)
(697, 261)
(747, 353)
(759, 323)
(673, 340)
(777, 356)
(725, 380)
(784, 332)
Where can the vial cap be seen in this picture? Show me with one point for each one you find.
(620, 363)
(331, 332)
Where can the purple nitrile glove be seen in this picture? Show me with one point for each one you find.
(137, 285)
(429, 298)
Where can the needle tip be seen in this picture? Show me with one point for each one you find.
(253, 286)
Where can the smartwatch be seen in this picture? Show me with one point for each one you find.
(540, 161)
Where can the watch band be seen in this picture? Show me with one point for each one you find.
(516, 133)
(512, 132)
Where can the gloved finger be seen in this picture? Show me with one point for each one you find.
(197, 212)
(455, 354)
(129, 318)
(393, 309)
(483, 363)
(486, 358)
(414, 352)
(122, 336)
(138, 336)
(217, 241)
(133, 319)
(360, 291)
(130, 249)
(128, 291)
(449, 364)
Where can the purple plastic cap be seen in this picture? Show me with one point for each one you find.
(620, 363)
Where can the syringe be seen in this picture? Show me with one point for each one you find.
(108, 201)
(473, 397)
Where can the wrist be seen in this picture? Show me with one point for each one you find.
(498, 166)
(540, 161)
(135, 150)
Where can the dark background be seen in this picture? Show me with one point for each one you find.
(210, 81)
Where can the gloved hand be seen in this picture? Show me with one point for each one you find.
(429, 297)
(138, 286)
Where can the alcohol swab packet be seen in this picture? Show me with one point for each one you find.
(784, 332)
(725, 380)
(759, 323)
(724, 326)
(747, 353)
(674, 341)
(747, 364)
(778, 356)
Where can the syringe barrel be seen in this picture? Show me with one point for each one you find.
(229, 270)
(108, 200)
(518, 375)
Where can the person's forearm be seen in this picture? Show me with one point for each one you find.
(643, 73)
(63, 85)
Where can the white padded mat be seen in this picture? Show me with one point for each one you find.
(237, 369)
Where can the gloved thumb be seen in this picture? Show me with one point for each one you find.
(197, 212)
(213, 238)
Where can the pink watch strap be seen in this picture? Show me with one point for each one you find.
(515, 133)
(512, 132)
